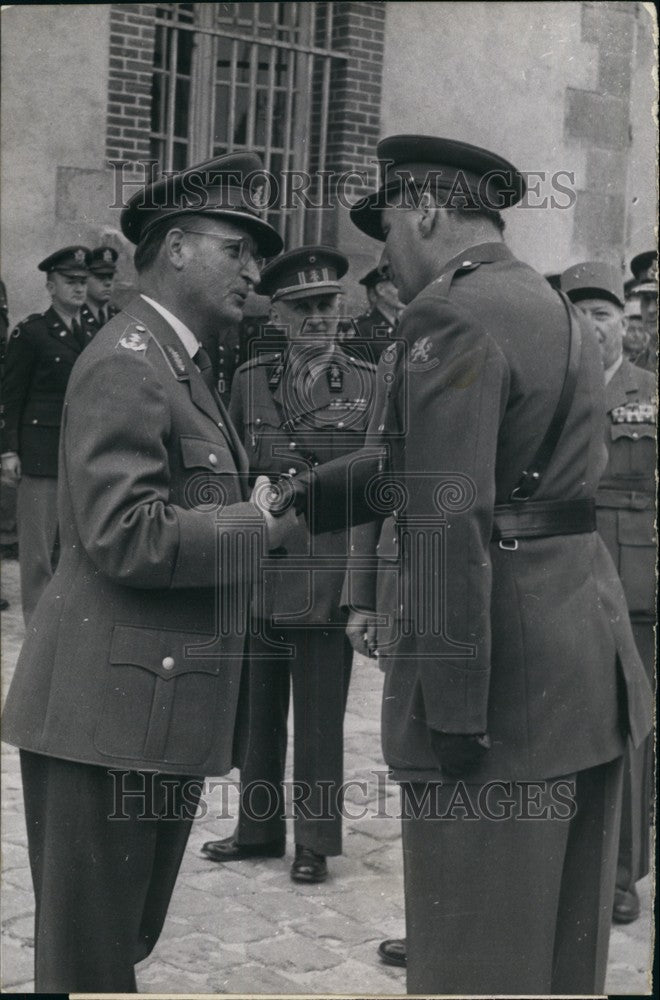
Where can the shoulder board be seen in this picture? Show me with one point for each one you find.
(134, 338)
(262, 359)
(444, 282)
(25, 323)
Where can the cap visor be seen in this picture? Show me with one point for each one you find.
(308, 292)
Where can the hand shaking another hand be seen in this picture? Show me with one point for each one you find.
(264, 495)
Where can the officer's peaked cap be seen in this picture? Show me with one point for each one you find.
(231, 187)
(71, 261)
(458, 174)
(593, 279)
(306, 271)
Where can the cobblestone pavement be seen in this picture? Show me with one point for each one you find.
(245, 927)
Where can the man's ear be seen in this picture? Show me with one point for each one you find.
(427, 211)
(174, 245)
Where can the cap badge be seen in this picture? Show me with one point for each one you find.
(107, 256)
(420, 350)
(79, 256)
(258, 196)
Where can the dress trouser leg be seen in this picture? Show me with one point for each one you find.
(320, 672)
(103, 868)
(511, 905)
(36, 515)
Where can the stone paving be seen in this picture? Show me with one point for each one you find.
(245, 927)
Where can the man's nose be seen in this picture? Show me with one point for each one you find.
(251, 271)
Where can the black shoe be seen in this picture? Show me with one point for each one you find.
(393, 951)
(308, 866)
(626, 906)
(230, 850)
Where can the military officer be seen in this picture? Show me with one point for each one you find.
(295, 410)
(514, 642)
(40, 355)
(625, 515)
(645, 271)
(128, 680)
(374, 329)
(100, 284)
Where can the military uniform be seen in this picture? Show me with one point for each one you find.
(127, 665)
(97, 320)
(288, 427)
(41, 353)
(519, 634)
(102, 264)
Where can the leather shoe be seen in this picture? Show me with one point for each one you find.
(230, 850)
(308, 866)
(626, 906)
(393, 951)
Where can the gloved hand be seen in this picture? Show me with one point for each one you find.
(459, 753)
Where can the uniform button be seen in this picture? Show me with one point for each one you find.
(63, 333)
(292, 446)
(466, 263)
(340, 424)
(57, 359)
(381, 427)
(35, 421)
(258, 420)
(168, 663)
(292, 471)
(141, 329)
(634, 435)
(315, 464)
(221, 347)
(213, 459)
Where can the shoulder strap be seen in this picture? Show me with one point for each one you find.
(531, 478)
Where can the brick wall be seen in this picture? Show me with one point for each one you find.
(132, 36)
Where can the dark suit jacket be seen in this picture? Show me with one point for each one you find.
(532, 645)
(40, 355)
(133, 656)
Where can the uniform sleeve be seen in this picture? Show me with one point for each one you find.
(359, 590)
(456, 387)
(19, 365)
(236, 406)
(118, 474)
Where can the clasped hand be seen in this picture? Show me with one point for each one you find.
(278, 527)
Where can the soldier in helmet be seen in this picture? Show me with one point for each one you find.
(40, 355)
(295, 410)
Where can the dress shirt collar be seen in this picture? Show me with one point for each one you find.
(185, 335)
(613, 369)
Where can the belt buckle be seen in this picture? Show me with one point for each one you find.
(508, 544)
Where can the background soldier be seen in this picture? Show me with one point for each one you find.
(294, 411)
(40, 355)
(100, 284)
(645, 270)
(374, 329)
(625, 514)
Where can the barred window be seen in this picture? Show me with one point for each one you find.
(235, 76)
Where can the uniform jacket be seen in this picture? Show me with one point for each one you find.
(41, 352)
(531, 645)
(284, 434)
(133, 656)
(90, 318)
(626, 496)
(373, 332)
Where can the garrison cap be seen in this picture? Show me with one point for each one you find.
(300, 273)
(103, 260)
(457, 174)
(230, 187)
(645, 268)
(593, 279)
(71, 261)
(373, 278)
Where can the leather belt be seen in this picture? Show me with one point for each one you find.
(543, 518)
(623, 499)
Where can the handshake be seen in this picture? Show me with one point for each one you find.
(281, 501)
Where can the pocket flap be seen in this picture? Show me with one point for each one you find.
(199, 453)
(633, 431)
(635, 527)
(164, 652)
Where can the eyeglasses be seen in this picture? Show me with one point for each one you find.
(240, 247)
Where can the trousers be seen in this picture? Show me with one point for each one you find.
(519, 904)
(105, 848)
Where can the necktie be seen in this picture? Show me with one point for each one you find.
(78, 336)
(203, 362)
(102, 317)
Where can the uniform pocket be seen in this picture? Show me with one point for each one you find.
(162, 696)
(637, 552)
